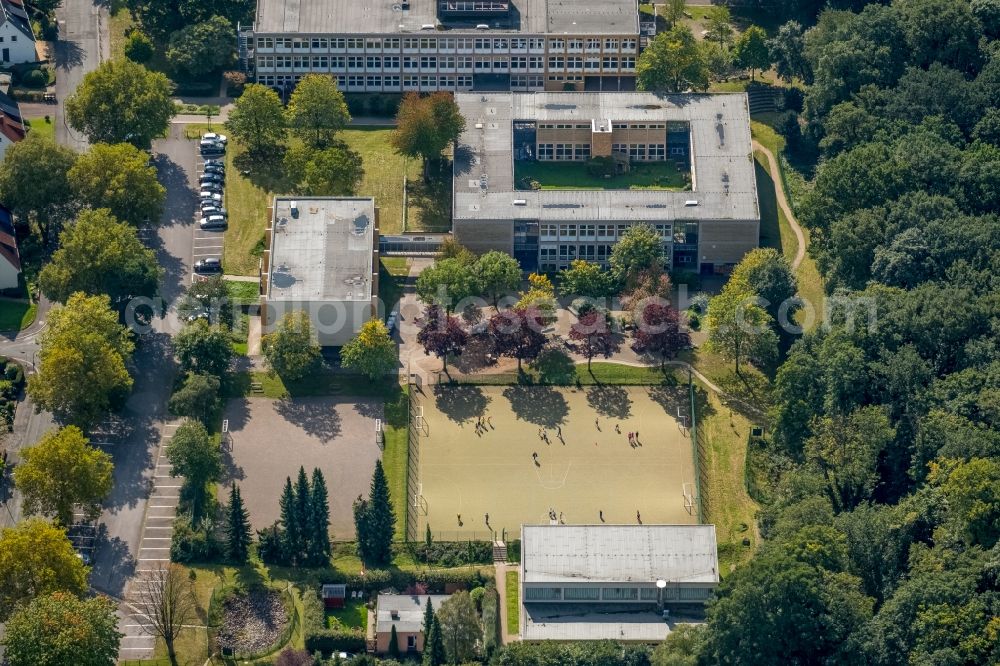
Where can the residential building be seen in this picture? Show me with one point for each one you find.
(17, 42)
(701, 196)
(12, 127)
(429, 45)
(10, 259)
(322, 259)
(406, 613)
(589, 582)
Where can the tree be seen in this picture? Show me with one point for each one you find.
(540, 299)
(34, 183)
(971, 491)
(37, 559)
(684, 645)
(238, 535)
(167, 599)
(750, 50)
(427, 125)
(100, 255)
(319, 521)
(202, 48)
(290, 351)
(659, 330)
(336, 170)
(372, 352)
(62, 472)
(738, 328)
(673, 12)
(459, 627)
(393, 643)
(452, 249)
(202, 348)
(197, 457)
(428, 617)
(375, 521)
(639, 249)
(317, 110)
(492, 638)
(940, 31)
(257, 119)
(303, 512)
(59, 629)
(496, 273)
(441, 334)
(119, 178)
(592, 332)
(434, 651)
(138, 47)
(517, 333)
(586, 279)
(209, 296)
(447, 283)
(719, 26)
(787, 51)
(293, 538)
(82, 361)
(122, 102)
(197, 398)
(672, 62)
(770, 277)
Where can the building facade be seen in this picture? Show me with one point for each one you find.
(17, 42)
(707, 215)
(406, 613)
(454, 45)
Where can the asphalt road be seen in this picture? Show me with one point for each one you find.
(83, 43)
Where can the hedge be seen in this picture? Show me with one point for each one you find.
(453, 553)
(375, 580)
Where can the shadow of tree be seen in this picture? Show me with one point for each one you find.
(460, 402)
(113, 566)
(265, 171)
(473, 357)
(670, 398)
(67, 54)
(429, 204)
(316, 417)
(610, 401)
(231, 470)
(541, 405)
(555, 366)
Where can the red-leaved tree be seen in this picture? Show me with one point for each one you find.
(659, 330)
(517, 333)
(591, 330)
(441, 334)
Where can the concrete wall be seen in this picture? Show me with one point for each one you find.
(481, 236)
(725, 242)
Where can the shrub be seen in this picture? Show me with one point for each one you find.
(601, 166)
(514, 550)
(138, 47)
(193, 544)
(235, 82)
(269, 546)
(453, 553)
(35, 78)
(14, 373)
(7, 389)
(477, 597)
(318, 637)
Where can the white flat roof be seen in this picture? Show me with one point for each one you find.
(325, 252)
(619, 553)
(409, 609)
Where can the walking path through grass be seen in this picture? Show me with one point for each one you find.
(779, 191)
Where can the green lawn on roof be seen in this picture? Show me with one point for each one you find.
(574, 176)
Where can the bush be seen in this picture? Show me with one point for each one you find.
(269, 546)
(514, 550)
(138, 47)
(690, 278)
(235, 82)
(14, 373)
(7, 389)
(35, 78)
(453, 553)
(602, 166)
(435, 580)
(193, 544)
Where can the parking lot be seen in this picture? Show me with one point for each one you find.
(209, 242)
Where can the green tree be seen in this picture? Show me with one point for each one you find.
(428, 617)
(434, 651)
(460, 629)
(317, 110)
(197, 398)
(59, 629)
(61, 472)
(202, 348)
(787, 51)
(673, 61)
(257, 119)
(319, 520)
(333, 171)
(290, 351)
(393, 644)
(447, 283)
(426, 125)
(750, 50)
(202, 48)
(683, 646)
(238, 535)
(303, 512)
(375, 521)
(672, 12)
(293, 538)
(638, 250)
(719, 26)
(738, 328)
(100, 255)
(770, 277)
(37, 559)
(82, 369)
(197, 457)
(118, 177)
(211, 296)
(497, 273)
(584, 278)
(452, 249)
(122, 102)
(138, 47)
(35, 186)
(372, 352)
(492, 639)
(972, 494)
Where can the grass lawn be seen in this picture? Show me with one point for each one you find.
(243, 293)
(354, 615)
(599, 373)
(428, 204)
(384, 173)
(121, 21)
(513, 603)
(16, 315)
(574, 176)
(42, 127)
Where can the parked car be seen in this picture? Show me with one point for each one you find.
(215, 168)
(210, 177)
(211, 148)
(213, 208)
(211, 186)
(212, 222)
(211, 161)
(208, 265)
(210, 196)
(212, 136)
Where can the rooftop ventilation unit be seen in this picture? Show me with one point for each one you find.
(427, 26)
(691, 202)
(520, 202)
(482, 26)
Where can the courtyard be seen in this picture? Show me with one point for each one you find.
(552, 175)
(532, 454)
(270, 439)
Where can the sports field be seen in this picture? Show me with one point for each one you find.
(481, 450)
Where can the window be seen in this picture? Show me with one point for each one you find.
(518, 44)
(262, 42)
(373, 81)
(410, 82)
(628, 62)
(483, 44)
(390, 62)
(411, 43)
(391, 43)
(373, 62)
(619, 148)
(355, 62)
(603, 252)
(637, 151)
(355, 81)
(564, 151)
(446, 82)
(610, 62)
(337, 62)
(428, 81)
(339, 43)
(411, 642)
(619, 593)
(542, 593)
(603, 230)
(586, 231)
(428, 43)
(321, 63)
(355, 43)
(587, 252)
(447, 62)
(574, 62)
(611, 44)
(575, 45)
(483, 64)
(648, 594)
(410, 62)
(428, 62)
(593, 44)
(535, 63)
(548, 230)
(583, 151)
(657, 151)
(447, 44)
(557, 44)
(372, 43)
(296, 43)
(500, 45)
(536, 43)
(628, 44)
(465, 62)
(391, 81)
(592, 64)
(545, 151)
(664, 230)
(582, 594)
(567, 231)
(464, 43)
(519, 62)
(557, 63)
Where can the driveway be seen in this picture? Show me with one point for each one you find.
(83, 43)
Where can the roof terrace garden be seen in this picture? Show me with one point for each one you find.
(600, 173)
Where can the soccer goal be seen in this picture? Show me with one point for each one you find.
(419, 502)
(689, 499)
(418, 418)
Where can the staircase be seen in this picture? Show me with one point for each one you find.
(245, 46)
(762, 99)
(499, 552)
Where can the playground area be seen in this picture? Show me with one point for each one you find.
(538, 454)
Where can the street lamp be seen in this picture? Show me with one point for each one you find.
(660, 585)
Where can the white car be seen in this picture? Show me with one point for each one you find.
(208, 194)
(212, 136)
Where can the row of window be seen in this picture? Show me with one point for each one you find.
(551, 231)
(577, 62)
(495, 44)
(563, 151)
(642, 152)
(425, 62)
(585, 126)
(389, 82)
(669, 593)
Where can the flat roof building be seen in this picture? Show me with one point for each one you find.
(681, 163)
(428, 45)
(585, 582)
(406, 613)
(322, 258)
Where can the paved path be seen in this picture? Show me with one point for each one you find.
(779, 191)
(82, 45)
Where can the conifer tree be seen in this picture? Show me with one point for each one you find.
(292, 536)
(428, 617)
(303, 514)
(319, 521)
(434, 654)
(393, 644)
(238, 537)
(381, 520)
